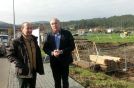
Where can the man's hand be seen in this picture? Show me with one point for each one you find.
(57, 52)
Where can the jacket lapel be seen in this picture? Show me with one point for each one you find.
(53, 40)
(62, 38)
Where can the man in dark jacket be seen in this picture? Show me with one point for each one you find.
(59, 45)
(25, 53)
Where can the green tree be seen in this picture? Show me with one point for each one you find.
(10, 32)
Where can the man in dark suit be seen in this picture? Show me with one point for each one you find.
(59, 45)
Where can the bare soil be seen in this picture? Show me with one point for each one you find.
(123, 50)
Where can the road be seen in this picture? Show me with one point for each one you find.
(4, 72)
(9, 80)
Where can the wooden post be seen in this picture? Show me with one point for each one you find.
(77, 53)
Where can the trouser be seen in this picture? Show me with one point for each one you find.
(27, 82)
(60, 72)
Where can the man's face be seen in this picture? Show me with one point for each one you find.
(55, 25)
(27, 29)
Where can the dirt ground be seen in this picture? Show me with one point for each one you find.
(123, 50)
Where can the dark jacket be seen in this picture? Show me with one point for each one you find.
(66, 44)
(17, 53)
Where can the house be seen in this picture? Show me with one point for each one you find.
(90, 30)
(81, 31)
(109, 30)
(3, 30)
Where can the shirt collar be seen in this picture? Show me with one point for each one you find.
(58, 33)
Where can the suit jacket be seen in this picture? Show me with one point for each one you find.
(66, 45)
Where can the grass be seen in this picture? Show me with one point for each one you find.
(109, 38)
(91, 79)
(43, 53)
(97, 80)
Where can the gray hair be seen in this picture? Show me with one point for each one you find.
(56, 19)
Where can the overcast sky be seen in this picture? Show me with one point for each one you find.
(65, 10)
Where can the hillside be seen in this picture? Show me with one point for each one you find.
(4, 24)
(124, 21)
(40, 22)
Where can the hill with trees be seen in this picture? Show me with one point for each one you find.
(124, 21)
(4, 24)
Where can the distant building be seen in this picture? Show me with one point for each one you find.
(97, 29)
(109, 30)
(90, 30)
(3, 30)
(82, 31)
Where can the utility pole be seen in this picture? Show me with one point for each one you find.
(13, 19)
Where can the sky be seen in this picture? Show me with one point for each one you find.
(64, 10)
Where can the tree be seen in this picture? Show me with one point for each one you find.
(10, 32)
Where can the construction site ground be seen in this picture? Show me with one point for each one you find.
(123, 50)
